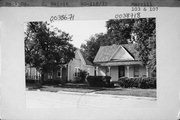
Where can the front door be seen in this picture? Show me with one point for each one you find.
(121, 70)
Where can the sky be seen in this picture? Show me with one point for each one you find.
(81, 30)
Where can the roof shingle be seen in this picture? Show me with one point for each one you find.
(86, 61)
(131, 48)
(105, 52)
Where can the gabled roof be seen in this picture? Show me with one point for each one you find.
(87, 62)
(121, 55)
(131, 48)
(105, 53)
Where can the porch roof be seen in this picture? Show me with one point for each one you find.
(117, 63)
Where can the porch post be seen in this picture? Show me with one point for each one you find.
(128, 71)
(61, 72)
(35, 73)
(30, 73)
(97, 70)
(109, 69)
(68, 72)
(147, 72)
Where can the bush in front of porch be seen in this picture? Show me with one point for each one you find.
(99, 81)
(141, 82)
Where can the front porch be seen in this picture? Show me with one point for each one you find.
(118, 71)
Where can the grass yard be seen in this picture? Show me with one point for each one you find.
(130, 92)
(82, 88)
(56, 89)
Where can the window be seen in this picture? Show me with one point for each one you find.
(88, 71)
(50, 75)
(76, 71)
(136, 71)
(58, 73)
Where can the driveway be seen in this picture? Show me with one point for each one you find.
(43, 99)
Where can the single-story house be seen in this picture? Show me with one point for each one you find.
(119, 61)
(66, 72)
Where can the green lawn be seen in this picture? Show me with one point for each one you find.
(110, 91)
(130, 92)
(56, 89)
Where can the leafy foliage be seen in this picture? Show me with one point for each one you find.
(99, 81)
(145, 83)
(152, 56)
(119, 31)
(93, 44)
(45, 48)
(81, 77)
(144, 31)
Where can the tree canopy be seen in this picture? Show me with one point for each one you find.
(47, 47)
(119, 31)
(93, 44)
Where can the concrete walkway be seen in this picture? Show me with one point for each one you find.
(42, 99)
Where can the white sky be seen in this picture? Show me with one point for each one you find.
(81, 30)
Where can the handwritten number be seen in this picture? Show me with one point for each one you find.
(154, 8)
(136, 9)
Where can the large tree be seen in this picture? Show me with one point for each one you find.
(119, 31)
(144, 30)
(92, 45)
(46, 48)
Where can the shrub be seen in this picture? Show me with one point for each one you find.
(81, 77)
(147, 82)
(51, 82)
(77, 79)
(31, 81)
(99, 81)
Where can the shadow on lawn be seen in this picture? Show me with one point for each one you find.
(87, 87)
(33, 86)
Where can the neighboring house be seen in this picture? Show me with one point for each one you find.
(32, 73)
(119, 61)
(59, 74)
(79, 63)
(66, 72)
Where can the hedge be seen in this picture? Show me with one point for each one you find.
(145, 83)
(31, 81)
(99, 81)
(51, 82)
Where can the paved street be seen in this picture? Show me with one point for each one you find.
(42, 99)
